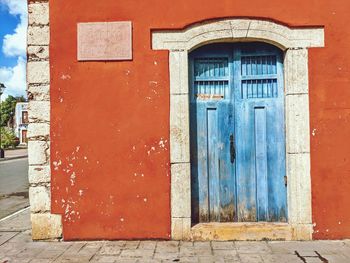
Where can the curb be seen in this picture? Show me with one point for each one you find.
(13, 158)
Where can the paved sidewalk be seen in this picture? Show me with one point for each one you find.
(15, 154)
(16, 246)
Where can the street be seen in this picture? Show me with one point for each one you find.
(13, 186)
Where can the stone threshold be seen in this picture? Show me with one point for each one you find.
(246, 231)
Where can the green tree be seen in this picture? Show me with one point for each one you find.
(8, 138)
(8, 109)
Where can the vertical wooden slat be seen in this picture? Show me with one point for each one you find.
(202, 128)
(261, 163)
(213, 165)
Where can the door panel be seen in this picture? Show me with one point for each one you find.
(237, 134)
(211, 123)
(260, 133)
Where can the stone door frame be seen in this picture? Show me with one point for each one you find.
(295, 43)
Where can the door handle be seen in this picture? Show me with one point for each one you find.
(232, 149)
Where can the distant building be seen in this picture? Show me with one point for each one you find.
(21, 122)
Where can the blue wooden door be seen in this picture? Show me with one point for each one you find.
(237, 134)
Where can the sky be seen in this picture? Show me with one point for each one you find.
(13, 28)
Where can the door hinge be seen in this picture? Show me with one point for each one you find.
(285, 180)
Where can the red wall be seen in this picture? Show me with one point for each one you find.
(109, 120)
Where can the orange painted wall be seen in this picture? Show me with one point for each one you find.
(109, 120)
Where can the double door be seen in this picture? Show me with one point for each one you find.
(237, 133)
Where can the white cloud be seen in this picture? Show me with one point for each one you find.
(14, 79)
(14, 45)
(16, 7)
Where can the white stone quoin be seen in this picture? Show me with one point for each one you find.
(44, 224)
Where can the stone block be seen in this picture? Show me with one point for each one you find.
(207, 37)
(179, 129)
(38, 72)
(39, 92)
(297, 124)
(299, 188)
(38, 152)
(39, 111)
(178, 61)
(38, 131)
(181, 190)
(39, 174)
(38, 53)
(38, 35)
(46, 226)
(180, 228)
(307, 37)
(239, 27)
(38, 13)
(296, 71)
(40, 199)
(302, 232)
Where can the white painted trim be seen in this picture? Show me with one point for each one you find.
(238, 30)
(294, 41)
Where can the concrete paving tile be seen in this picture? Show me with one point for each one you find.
(138, 253)
(167, 247)
(211, 259)
(232, 253)
(74, 248)
(189, 259)
(223, 245)
(166, 256)
(151, 261)
(16, 260)
(186, 244)
(41, 260)
(202, 244)
(280, 258)
(250, 258)
(49, 254)
(131, 244)
(337, 259)
(203, 251)
(29, 252)
(151, 245)
(118, 243)
(216, 259)
(187, 252)
(252, 247)
(23, 237)
(10, 249)
(110, 249)
(104, 259)
(127, 261)
(19, 222)
(5, 236)
(73, 259)
(90, 249)
(308, 248)
(312, 260)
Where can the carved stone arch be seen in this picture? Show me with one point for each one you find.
(295, 43)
